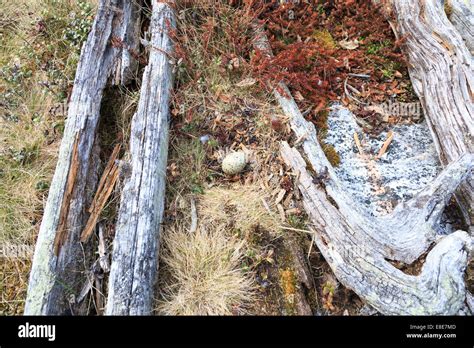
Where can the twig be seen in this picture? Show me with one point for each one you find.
(362, 76)
(385, 145)
(350, 95)
(353, 89)
(265, 204)
(358, 144)
(294, 229)
(194, 217)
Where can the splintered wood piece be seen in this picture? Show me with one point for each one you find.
(358, 144)
(102, 248)
(194, 217)
(107, 170)
(385, 145)
(106, 186)
(64, 210)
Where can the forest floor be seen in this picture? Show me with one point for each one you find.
(241, 257)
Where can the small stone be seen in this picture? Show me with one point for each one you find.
(205, 138)
(234, 163)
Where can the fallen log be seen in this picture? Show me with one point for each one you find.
(442, 73)
(393, 234)
(438, 290)
(57, 272)
(358, 246)
(135, 250)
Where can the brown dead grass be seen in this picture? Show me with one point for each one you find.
(241, 207)
(13, 285)
(205, 274)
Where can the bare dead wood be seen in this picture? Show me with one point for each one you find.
(357, 245)
(385, 145)
(64, 209)
(461, 14)
(303, 277)
(104, 190)
(56, 280)
(102, 249)
(135, 251)
(442, 72)
(439, 289)
(126, 66)
(194, 217)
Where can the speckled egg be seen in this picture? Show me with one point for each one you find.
(234, 163)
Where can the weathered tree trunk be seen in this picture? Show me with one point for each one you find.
(358, 265)
(357, 246)
(135, 251)
(58, 273)
(461, 14)
(442, 72)
(126, 67)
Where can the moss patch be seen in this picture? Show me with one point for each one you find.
(325, 38)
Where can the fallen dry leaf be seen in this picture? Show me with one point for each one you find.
(298, 96)
(246, 82)
(349, 44)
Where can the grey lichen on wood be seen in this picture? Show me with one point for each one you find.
(135, 250)
(358, 246)
(380, 183)
(442, 73)
(360, 266)
(126, 67)
(55, 281)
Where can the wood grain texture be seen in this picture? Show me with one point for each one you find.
(135, 251)
(461, 14)
(55, 281)
(438, 290)
(442, 73)
(358, 247)
(126, 66)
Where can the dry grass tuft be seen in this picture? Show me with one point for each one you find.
(205, 274)
(13, 285)
(241, 207)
